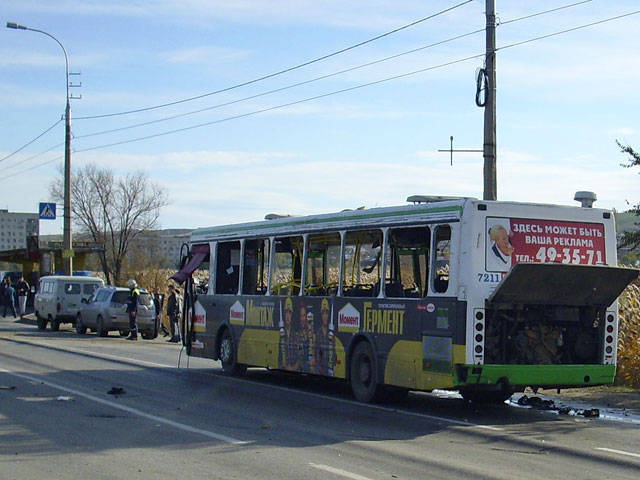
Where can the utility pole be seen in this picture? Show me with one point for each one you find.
(489, 147)
(67, 246)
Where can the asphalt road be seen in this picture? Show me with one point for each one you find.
(188, 421)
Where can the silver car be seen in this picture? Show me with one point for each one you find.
(106, 310)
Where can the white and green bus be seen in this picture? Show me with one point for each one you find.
(483, 297)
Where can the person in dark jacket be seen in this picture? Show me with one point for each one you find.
(22, 290)
(173, 312)
(9, 301)
(132, 309)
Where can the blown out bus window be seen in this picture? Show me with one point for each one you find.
(228, 267)
(362, 268)
(323, 264)
(287, 267)
(256, 267)
(408, 261)
(441, 258)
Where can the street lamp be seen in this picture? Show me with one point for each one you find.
(67, 248)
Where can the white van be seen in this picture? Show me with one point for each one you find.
(59, 298)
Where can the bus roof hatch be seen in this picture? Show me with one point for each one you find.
(562, 284)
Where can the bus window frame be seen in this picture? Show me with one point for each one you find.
(213, 262)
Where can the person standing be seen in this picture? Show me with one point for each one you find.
(132, 309)
(158, 303)
(9, 301)
(22, 288)
(173, 312)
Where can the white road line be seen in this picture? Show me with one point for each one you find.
(291, 390)
(134, 411)
(338, 471)
(619, 452)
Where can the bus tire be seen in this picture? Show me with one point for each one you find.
(364, 374)
(229, 356)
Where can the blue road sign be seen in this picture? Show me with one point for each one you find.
(47, 211)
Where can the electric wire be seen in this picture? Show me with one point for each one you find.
(25, 160)
(323, 77)
(280, 72)
(30, 141)
(542, 37)
(32, 167)
(542, 13)
(339, 91)
(269, 92)
(356, 87)
(284, 105)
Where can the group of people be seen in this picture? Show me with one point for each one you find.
(174, 310)
(9, 294)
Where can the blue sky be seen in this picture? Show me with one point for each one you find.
(562, 102)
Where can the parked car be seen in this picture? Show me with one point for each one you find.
(106, 310)
(59, 298)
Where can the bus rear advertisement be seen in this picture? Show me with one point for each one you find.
(483, 297)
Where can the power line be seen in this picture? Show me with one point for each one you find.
(542, 13)
(25, 160)
(262, 94)
(322, 77)
(268, 109)
(33, 167)
(286, 70)
(356, 87)
(334, 92)
(542, 37)
(30, 142)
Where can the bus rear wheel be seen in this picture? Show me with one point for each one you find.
(364, 374)
(229, 356)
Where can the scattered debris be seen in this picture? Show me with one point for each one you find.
(63, 398)
(116, 391)
(7, 387)
(541, 404)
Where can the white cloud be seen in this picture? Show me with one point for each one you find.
(204, 55)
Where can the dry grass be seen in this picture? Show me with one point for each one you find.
(629, 337)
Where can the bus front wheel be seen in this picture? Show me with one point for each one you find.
(229, 356)
(364, 374)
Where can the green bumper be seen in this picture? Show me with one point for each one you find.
(551, 376)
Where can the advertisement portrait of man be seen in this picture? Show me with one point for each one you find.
(499, 248)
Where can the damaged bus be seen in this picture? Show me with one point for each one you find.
(483, 297)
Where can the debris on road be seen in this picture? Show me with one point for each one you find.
(116, 391)
(541, 404)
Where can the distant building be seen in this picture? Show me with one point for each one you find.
(165, 245)
(161, 245)
(15, 227)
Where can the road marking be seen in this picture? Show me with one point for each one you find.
(619, 452)
(134, 411)
(338, 471)
(285, 389)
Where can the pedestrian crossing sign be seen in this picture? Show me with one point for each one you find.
(47, 211)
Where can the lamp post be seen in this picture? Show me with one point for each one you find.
(67, 249)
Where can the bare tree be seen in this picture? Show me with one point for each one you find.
(112, 211)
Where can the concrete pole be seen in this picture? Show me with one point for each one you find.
(66, 237)
(489, 146)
